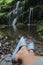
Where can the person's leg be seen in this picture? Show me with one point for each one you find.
(29, 44)
(21, 43)
(26, 56)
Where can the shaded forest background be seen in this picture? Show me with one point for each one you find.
(7, 16)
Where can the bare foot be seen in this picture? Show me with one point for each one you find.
(21, 54)
(26, 56)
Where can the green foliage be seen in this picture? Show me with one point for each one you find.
(8, 1)
(2, 34)
(40, 28)
(4, 5)
(3, 14)
(38, 6)
(40, 25)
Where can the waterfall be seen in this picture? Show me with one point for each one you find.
(17, 12)
(30, 16)
(13, 24)
(17, 5)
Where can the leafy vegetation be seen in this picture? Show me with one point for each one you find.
(40, 28)
(5, 5)
(39, 6)
(40, 25)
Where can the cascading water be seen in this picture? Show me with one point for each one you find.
(17, 12)
(13, 24)
(30, 18)
(17, 5)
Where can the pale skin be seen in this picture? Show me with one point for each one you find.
(27, 57)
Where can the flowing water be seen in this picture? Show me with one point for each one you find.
(17, 12)
(13, 24)
(17, 5)
(15, 19)
(30, 18)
